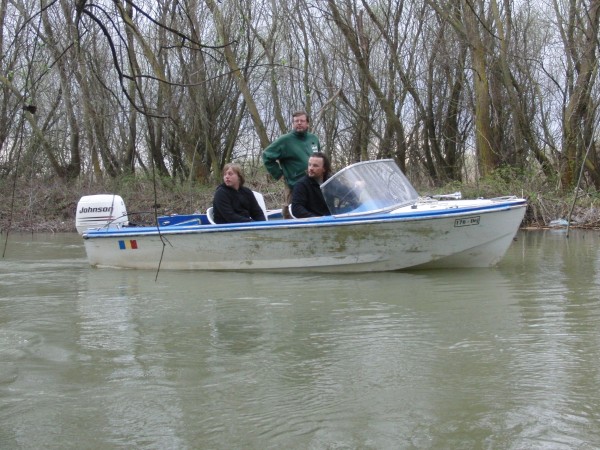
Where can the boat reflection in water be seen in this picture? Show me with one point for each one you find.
(378, 223)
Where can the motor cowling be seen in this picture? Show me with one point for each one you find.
(102, 210)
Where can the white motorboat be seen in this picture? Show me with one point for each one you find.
(378, 222)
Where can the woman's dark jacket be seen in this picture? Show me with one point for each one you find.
(231, 206)
(308, 200)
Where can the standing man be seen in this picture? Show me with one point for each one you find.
(288, 155)
(307, 198)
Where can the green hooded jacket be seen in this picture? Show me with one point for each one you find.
(288, 155)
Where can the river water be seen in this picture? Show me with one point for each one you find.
(502, 358)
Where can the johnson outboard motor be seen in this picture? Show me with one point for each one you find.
(104, 210)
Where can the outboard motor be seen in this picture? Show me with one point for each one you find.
(104, 210)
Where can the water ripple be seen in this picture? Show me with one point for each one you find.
(505, 358)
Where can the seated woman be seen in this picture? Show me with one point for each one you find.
(233, 202)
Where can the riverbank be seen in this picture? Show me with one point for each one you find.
(51, 207)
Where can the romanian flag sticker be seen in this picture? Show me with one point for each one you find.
(129, 244)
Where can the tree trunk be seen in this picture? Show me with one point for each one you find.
(578, 112)
(237, 73)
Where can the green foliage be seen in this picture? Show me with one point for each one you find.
(504, 180)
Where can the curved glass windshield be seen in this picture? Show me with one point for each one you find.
(368, 186)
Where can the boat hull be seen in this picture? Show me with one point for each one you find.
(476, 235)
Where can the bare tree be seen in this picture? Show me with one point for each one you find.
(578, 23)
(343, 20)
(238, 73)
(184, 87)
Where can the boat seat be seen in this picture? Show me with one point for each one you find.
(261, 202)
(210, 215)
(290, 211)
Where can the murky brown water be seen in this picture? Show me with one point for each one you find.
(507, 358)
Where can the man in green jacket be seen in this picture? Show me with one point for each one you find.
(288, 155)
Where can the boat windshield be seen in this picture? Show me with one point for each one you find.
(368, 186)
